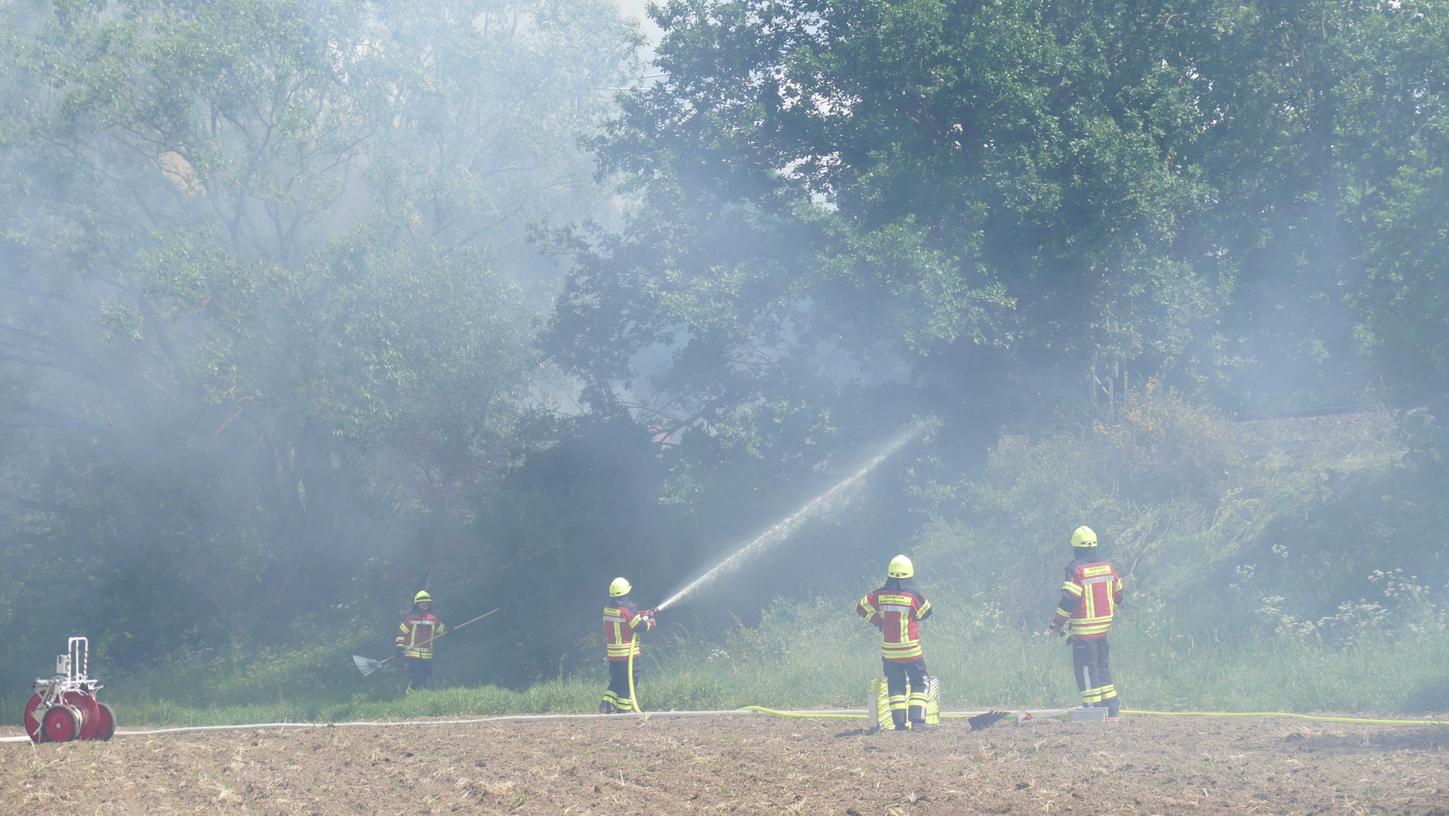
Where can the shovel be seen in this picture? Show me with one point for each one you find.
(368, 666)
(987, 720)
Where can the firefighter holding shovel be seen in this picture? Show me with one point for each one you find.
(414, 641)
(1090, 596)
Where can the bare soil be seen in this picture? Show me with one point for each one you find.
(744, 765)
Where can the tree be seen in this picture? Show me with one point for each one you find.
(269, 294)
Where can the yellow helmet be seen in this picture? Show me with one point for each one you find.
(422, 597)
(901, 567)
(1084, 537)
(619, 587)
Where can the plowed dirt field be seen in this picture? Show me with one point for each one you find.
(744, 765)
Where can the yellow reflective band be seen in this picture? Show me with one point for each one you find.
(1074, 588)
(903, 644)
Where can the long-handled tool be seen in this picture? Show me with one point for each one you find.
(368, 666)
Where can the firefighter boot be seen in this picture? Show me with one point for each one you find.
(1113, 703)
(918, 719)
(918, 710)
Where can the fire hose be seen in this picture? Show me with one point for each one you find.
(841, 714)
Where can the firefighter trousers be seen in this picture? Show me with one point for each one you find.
(420, 673)
(904, 703)
(1091, 663)
(617, 697)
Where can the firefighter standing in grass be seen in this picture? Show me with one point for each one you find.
(1090, 595)
(414, 640)
(897, 609)
(622, 621)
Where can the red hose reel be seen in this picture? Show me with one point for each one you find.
(64, 706)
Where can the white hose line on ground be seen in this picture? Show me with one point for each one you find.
(753, 711)
(470, 721)
(739, 712)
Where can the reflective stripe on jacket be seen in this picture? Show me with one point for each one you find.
(416, 632)
(621, 620)
(897, 608)
(1090, 595)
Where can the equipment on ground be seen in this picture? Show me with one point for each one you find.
(1084, 537)
(368, 666)
(619, 587)
(900, 567)
(1087, 714)
(64, 706)
(878, 707)
(986, 720)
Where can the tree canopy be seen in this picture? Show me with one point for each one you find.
(308, 304)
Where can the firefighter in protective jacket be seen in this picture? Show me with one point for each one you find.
(622, 621)
(414, 641)
(897, 609)
(1090, 596)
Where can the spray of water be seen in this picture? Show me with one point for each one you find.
(783, 529)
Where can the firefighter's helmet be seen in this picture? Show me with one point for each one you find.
(422, 597)
(619, 587)
(1083, 537)
(901, 567)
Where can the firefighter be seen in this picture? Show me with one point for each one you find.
(414, 639)
(622, 621)
(897, 609)
(1091, 594)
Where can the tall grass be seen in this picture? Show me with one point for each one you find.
(1293, 566)
(818, 654)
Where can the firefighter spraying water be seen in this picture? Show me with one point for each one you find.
(622, 622)
(783, 529)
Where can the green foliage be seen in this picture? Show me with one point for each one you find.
(269, 294)
(278, 348)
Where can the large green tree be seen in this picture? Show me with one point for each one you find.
(967, 206)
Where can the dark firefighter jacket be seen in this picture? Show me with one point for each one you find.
(897, 608)
(1090, 595)
(416, 632)
(621, 620)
